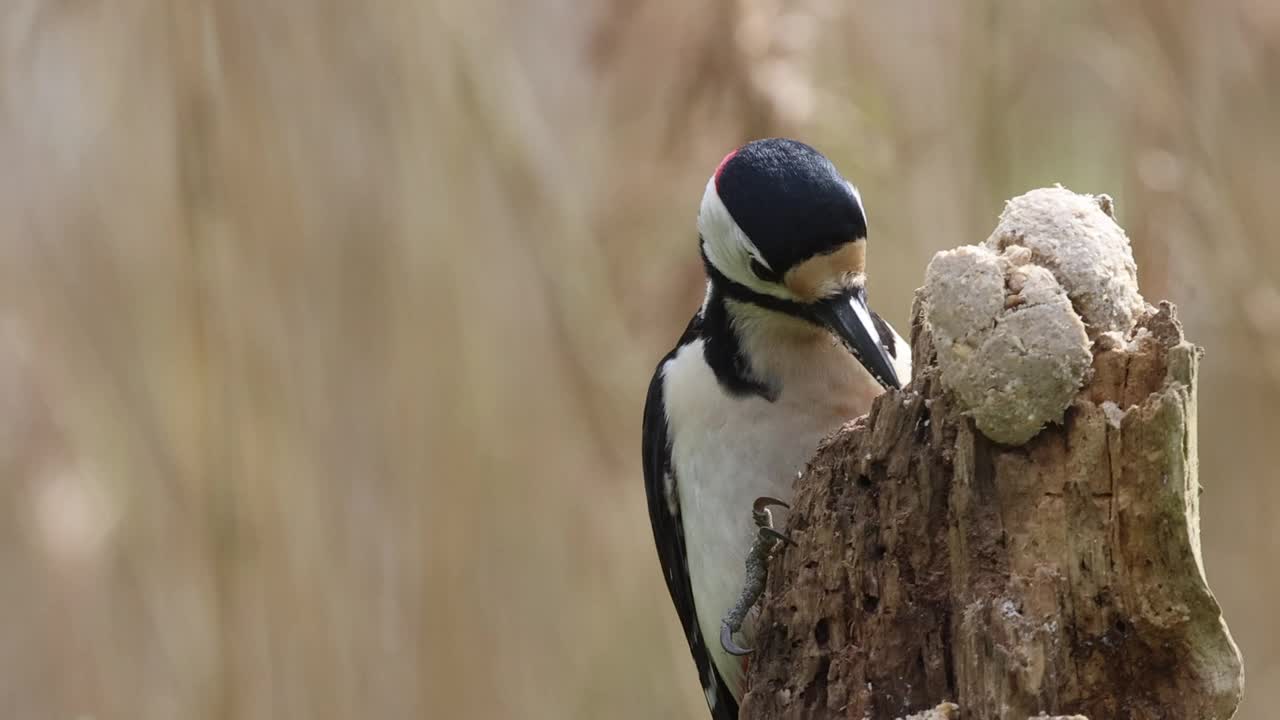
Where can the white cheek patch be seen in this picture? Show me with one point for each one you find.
(729, 249)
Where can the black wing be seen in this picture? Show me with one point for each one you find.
(668, 534)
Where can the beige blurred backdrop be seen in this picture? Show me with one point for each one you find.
(325, 325)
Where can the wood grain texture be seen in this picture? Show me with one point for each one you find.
(1062, 576)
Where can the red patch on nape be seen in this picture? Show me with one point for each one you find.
(720, 167)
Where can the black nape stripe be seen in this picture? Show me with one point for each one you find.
(724, 353)
(742, 293)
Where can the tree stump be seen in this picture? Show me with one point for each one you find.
(1055, 571)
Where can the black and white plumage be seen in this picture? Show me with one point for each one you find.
(782, 352)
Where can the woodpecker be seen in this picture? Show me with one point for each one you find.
(783, 351)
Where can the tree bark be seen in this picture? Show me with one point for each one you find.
(1060, 576)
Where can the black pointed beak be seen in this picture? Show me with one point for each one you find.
(846, 315)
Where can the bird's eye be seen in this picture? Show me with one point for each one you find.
(763, 272)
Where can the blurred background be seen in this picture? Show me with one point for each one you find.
(325, 326)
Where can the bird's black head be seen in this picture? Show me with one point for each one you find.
(781, 228)
(789, 200)
(778, 218)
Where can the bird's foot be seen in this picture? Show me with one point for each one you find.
(757, 571)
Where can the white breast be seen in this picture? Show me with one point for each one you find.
(727, 451)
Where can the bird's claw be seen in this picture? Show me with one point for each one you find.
(726, 641)
(770, 534)
(757, 566)
(761, 513)
(763, 516)
(764, 501)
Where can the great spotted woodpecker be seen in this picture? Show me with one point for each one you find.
(783, 351)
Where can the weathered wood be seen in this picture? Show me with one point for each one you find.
(1060, 576)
